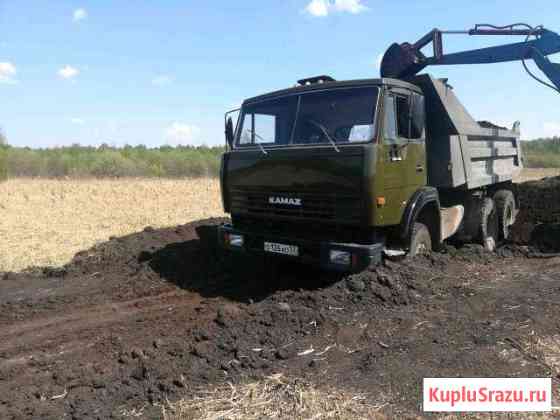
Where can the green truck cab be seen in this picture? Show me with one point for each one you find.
(338, 173)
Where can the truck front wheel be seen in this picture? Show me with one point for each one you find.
(420, 240)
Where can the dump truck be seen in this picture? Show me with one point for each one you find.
(339, 173)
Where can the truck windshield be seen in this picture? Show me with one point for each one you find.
(342, 115)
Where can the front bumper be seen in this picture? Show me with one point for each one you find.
(312, 252)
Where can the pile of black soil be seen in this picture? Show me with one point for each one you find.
(146, 318)
(546, 238)
(538, 220)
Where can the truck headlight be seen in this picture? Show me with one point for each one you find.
(235, 240)
(340, 257)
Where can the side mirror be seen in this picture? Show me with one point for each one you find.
(229, 128)
(229, 132)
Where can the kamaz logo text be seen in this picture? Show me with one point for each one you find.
(285, 201)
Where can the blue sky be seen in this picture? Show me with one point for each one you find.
(157, 72)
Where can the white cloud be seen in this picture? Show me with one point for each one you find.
(68, 72)
(79, 14)
(7, 72)
(318, 8)
(350, 6)
(322, 8)
(77, 121)
(551, 129)
(162, 80)
(183, 134)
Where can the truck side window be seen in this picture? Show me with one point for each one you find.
(403, 117)
(390, 121)
(418, 116)
(410, 116)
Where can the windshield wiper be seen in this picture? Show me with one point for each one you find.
(326, 133)
(263, 150)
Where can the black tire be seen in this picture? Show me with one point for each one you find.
(505, 207)
(489, 225)
(420, 240)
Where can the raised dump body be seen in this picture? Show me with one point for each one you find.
(478, 154)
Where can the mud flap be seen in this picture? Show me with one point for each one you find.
(451, 219)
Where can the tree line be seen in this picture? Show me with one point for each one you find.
(110, 162)
(542, 153)
(167, 162)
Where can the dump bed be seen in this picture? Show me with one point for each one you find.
(461, 152)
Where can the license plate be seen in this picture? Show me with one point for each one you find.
(283, 249)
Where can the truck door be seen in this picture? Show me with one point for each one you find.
(402, 157)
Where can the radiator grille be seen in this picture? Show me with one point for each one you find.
(327, 207)
(310, 230)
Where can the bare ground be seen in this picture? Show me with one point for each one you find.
(45, 221)
(156, 316)
(533, 174)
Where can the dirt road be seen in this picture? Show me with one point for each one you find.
(152, 316)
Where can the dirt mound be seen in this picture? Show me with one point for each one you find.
(148, 317)
(540, 200)
(196, 316)
(114, 269)
(538, 220)
(546, 238)
(127, 253)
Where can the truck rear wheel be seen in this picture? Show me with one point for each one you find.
(489, 223)
(505, 207)
(420, 240)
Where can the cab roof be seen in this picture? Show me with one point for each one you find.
(334, 84)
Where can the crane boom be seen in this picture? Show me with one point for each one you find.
(406, 60)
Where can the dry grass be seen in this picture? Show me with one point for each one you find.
(278, 397)
(531, 174)
(275, 397)
(550, 350)
(45, 222)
